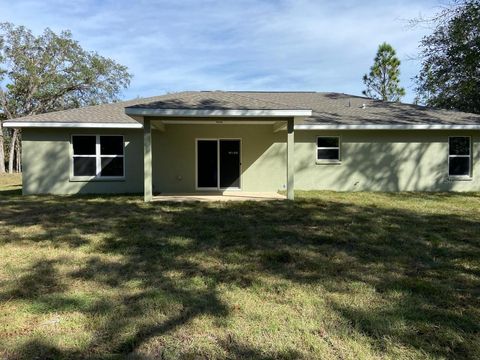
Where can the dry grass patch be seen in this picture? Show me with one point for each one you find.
(346, 276)
(10, 182)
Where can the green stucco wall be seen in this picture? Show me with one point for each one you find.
(263, 156)
(47, 163)
(384, 161)
(371, 160)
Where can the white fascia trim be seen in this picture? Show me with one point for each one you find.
(387, 127)
(217, 122)
(44, 124)
(220, 112)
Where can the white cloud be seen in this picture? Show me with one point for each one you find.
(248, 44)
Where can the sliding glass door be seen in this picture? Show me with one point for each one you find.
(218, 164)
(207, 164)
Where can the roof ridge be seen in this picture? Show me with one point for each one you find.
(272, 92)
(158, 96)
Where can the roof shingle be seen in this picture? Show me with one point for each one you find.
(328, 108)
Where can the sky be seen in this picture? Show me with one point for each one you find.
(281, 45)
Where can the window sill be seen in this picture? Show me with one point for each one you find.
(95, 179)
(328, 162)
(460, 178)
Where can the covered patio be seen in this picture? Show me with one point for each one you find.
(159, 116)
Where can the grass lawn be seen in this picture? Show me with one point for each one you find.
(330, 276)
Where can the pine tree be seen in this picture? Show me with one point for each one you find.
(383, 81)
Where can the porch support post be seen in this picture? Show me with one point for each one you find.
(147, 159)
(290, 158)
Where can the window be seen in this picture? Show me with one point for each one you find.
(328, 149)
(98, 156)
(459, 158)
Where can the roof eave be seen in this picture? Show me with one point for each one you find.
(217, 112)
(388, 127)
(90, 125)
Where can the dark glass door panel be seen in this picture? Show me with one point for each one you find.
(207, 165)
(229, 164)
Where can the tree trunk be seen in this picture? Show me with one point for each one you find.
(12, 151)
(2, 150)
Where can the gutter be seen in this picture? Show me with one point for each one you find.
(93, 125)
(388, 127)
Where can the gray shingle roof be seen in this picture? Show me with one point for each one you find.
(105, 113)
(343, 109)
(215, 100)
(328, 108)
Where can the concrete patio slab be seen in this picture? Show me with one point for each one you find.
(220, 196)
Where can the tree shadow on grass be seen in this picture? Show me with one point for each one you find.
(43, 350)
(180, 255)
(10, 192)
(38, 280)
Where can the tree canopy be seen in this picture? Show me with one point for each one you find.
(51, 72)
(450, 70)
(383, 81)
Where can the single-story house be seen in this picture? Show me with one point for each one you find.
(200, 141)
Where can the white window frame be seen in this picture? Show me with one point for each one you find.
(469, 156)
(98, 161)
(328, 161)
